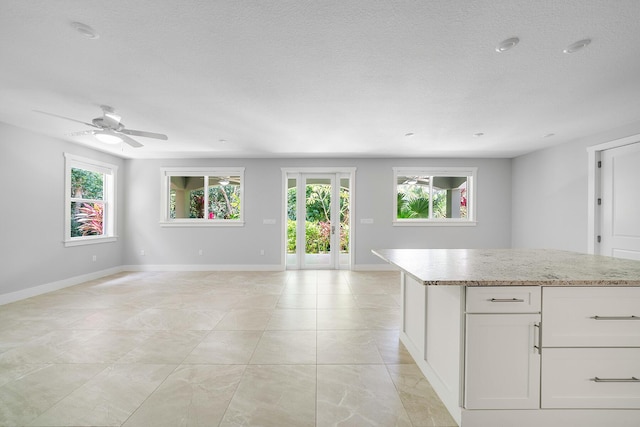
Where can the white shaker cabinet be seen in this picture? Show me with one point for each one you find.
(527, 338)
(591, 348)
(502, 362)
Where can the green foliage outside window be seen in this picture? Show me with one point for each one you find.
(87, 212)
(318, 217)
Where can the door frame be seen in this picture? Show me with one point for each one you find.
(300, 171)
(594, 186)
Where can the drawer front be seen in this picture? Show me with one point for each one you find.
(503, 299)
(591, 378)
(591, 317)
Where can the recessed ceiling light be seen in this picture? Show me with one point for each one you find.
(579, 45)
(478, 135)
(85, 30)
(549, 135)
(408, 134)
(507, 44)
(224, 141)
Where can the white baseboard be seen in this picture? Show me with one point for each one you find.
(202, 267)
(57, 285)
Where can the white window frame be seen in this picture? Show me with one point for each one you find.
(470, 172)
(110, 173)
(167, 172)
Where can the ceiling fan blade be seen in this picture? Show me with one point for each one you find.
(66, 118)
(132, 142)
(82, 133)
(145, 134)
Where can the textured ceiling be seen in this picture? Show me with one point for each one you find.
(323, 78)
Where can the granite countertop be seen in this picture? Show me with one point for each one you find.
(512, 267)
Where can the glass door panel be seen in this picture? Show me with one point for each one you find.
(345, 226)
(319, 230)
(291, 255)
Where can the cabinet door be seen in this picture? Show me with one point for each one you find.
(502, 366)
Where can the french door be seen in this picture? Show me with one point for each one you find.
(318, 234)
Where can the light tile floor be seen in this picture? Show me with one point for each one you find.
(292, 348)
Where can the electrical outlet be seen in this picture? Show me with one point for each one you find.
(95, 258)
(261, 251)
(142, 253)
(199, 251)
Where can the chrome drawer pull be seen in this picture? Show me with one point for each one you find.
(615, 380)
(536, 342)
(506, 300)
(616, 317)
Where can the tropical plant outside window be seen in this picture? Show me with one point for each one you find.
(89, 195)
(425, 196)
(87, 203)
(318, 219)
(203, 197)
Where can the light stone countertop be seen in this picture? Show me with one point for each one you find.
(512, 267)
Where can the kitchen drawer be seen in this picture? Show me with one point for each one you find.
(569, 378)
(591, 317)
(503, 299)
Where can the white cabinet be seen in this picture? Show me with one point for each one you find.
(591, 348)
(502, 365)
(502, 360)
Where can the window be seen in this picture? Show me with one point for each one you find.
(202, 196)
(89, 201)
(434, 196)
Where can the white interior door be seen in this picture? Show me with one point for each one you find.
(620, 202)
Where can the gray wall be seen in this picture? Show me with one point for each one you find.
(549, 194)
(264, 199)
(32, 213)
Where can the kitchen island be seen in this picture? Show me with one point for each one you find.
(511, 337)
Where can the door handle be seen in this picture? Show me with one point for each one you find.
(536, 337)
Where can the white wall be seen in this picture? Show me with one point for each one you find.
(32, 213)
(549, 194)
(236, 246)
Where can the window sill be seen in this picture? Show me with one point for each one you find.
(202, 223)
(434, 223)
(89, 241)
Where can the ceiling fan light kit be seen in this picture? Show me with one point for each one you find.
(107, 138)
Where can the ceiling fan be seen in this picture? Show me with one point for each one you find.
(109, 129)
